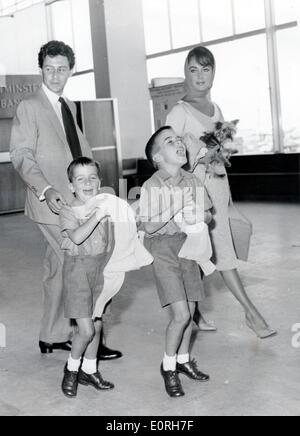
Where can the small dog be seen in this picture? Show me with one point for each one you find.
(221, 136)
(216, 140)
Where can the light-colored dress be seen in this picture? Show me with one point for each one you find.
(184, 118)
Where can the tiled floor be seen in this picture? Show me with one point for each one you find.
(248, 376)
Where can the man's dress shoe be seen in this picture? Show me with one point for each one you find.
(70, 383)
(172, 383)
(105, 353)
(94, 380)
(49, 348)
(191, 370)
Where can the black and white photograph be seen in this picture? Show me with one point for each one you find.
(149, 210)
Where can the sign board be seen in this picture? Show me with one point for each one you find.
(13, 89)
(164, 98)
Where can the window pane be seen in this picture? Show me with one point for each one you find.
(185, 22)
(82, 35)
(216, 19)
(167, 66)
(81, 87)
(8, 7)
(242, 91)
(249, 15)
(289, 71)
(61, 20)
(156, 23)
(24, 4)
(286, 10)
(23, 40)
(11, 6)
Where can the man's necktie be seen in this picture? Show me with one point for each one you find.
(70, 129)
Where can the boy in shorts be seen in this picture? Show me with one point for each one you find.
(169, 191)
(87, 244)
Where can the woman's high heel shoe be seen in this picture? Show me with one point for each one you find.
(49, 348)
(261, 333)
(204, 326)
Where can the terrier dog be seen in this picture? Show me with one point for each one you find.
(221, 136)
(217, 140)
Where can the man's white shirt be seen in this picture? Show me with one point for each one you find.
(53, 99)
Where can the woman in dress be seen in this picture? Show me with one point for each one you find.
(196, 114)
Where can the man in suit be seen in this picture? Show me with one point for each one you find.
(45, 139)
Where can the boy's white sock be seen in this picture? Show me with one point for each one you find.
(169, 363)
(183, 358)
(73, 365)
(89, 366)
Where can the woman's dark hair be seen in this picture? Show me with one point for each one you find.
(203, 56)
(83, 161)
(56, 48)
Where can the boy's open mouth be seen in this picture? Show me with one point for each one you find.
(181, 151)
(88, 191)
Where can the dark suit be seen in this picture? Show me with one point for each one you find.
(41, 154)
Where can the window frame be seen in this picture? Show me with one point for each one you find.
(50, 34)
(270, 31)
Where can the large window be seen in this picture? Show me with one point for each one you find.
(241, 89)
(8, 7)
(256, 45)
(289, 74)
(70, 22)
(65, 20)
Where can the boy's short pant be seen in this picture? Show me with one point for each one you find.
(176, 279)
(83, 283)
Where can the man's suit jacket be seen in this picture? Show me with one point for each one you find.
(41, 154)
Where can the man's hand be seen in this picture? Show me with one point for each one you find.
(54, 200)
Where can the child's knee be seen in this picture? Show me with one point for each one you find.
(87, 333)
(182, 318)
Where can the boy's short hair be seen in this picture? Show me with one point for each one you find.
(56, 48)
(151, 147)
(83, 161)
(203, 56)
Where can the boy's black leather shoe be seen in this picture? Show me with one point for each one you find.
(172, 383)
(105, 353)
(70, 383)
(191, 370)
(94, 380)
(49, 348)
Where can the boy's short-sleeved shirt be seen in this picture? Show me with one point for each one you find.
(156, 197)
(98, 242)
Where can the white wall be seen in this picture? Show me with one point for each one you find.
(128, 73)
(20, 40)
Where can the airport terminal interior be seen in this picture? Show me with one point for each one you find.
(129, 74)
